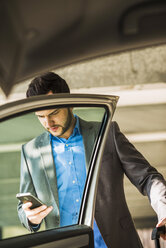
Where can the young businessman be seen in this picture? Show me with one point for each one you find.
(60, 187)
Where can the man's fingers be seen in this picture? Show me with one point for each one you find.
(38, 209)
(36, 218)
(162, 222)
(36, 215)
(41, 214)
(163, 236)
(35, 211)
(27, 205)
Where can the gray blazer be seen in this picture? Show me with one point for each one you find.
(38, 176)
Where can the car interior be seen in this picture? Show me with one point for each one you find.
(100, 47)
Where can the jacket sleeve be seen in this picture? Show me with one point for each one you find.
(26, 185)
(145, 177)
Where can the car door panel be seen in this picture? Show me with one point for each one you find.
(80, 235)
(74, 237)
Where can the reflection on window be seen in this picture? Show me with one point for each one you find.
(67, 154)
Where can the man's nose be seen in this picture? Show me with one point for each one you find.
(48, 121)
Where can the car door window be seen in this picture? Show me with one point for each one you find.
(15, 132)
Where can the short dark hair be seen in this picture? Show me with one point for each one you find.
(49, 81)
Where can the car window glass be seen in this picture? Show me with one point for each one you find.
(17, 131)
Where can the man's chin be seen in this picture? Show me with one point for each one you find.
(56, 134)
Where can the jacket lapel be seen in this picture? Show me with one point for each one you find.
(89, 131)
(48, 164)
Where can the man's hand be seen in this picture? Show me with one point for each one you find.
(162, 222)
(36, 215)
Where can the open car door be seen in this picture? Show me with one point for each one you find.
(18, 125)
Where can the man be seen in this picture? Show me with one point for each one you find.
(43, 173)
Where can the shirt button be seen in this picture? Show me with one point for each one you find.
(67, 145)
(77, 200)
(74, 181)
(69, 162)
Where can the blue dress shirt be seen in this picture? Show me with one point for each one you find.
(69, 159)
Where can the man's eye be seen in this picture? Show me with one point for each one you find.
(55, 113)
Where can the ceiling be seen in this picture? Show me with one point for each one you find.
(50, 34)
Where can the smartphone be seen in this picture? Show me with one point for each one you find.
(28, 197)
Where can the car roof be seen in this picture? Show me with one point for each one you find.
(39, 35)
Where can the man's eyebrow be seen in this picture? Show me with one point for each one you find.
(53, 112)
